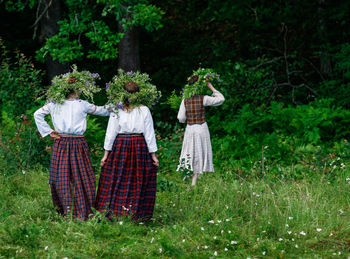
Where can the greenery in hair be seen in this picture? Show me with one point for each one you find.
(199, 87)
(62, 85)
(147, 95)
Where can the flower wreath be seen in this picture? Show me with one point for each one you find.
(84, 81)
(196, 85)
(148, 94)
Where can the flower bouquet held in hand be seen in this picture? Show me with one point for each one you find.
(196, 85)
(147, 95)
(83, 82)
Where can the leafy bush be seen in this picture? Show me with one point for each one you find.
(21, 147)
(20, 82)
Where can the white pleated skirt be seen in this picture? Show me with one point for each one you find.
(196, 153)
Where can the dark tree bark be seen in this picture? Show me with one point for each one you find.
(129, 54)
(51, 14)
(325, 61)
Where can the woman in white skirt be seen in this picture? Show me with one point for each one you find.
(196, 153)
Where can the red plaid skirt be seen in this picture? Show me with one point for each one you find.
(72, 179)
(128, 180)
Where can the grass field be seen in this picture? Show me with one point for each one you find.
(221, 217)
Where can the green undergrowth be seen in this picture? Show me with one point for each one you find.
(222, 217)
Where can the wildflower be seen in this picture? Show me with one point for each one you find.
(107, 86)
(287, 225)
(205, 247)
(289, 232)
(24, 172)
(226, 206)
(228, 219)
(229, 231)
(258, 239)
(214, 237)
(222, 232)
(183, 240)
(234, 242)
(264, 253)
(211, 221)
(303, 233)
(215, 253)
(319, 229)
(290, 218)
(341, 211)
(160, 250)
(331, 234)
(46, 247)
(202, 228)
(152, 240)
(219, 221)
(296, 246)
(280, 239)
(226, 249)
(293, 239)
(121, 223)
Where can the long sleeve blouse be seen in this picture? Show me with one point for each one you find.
(215, 99)
(138, 120)
(67, 118)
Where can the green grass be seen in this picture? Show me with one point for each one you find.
(255, 218)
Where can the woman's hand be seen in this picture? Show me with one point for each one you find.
(104, 158)
(155, 159)
(210, 86)
(54, 134)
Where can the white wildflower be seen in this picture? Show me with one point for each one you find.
(234, 242)
(215, 253)
(121, 223)
(214, 237)
(219, 221)
(160, 250)
(205, 247)
(229, 231)
(226, 249)
(23, 172)
(296, 246)
(318, 229)
(152, 240)
(287, 225)
(331, 234)
(264, 253)
(290, 218)
(46, 247)
(280, 239)
(183, 240)
(289, 232)
(303, 233)
(211, 221)
(202, 228)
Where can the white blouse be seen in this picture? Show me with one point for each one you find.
(138, 120)
(67, 118)
(215, 100)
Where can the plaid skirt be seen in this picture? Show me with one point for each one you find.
(128, 180)
(72, 179)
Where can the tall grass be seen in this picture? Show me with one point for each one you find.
(221, 217)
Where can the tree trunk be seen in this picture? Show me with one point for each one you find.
(129, 54)
(48, 28)
(325, 61)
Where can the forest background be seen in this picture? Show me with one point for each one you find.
(283, 129)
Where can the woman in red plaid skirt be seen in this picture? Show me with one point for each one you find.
(72, 179)
(127, 183)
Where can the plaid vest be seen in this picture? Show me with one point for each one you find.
(195, 110)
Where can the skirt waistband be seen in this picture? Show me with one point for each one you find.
(131, 134)
(70, 135)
